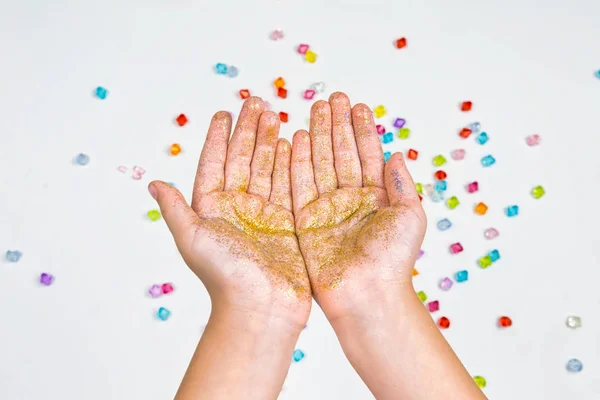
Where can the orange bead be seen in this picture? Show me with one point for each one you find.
(401, 43)
(465, 133)
(182, 119)
(440, 175)
(175, 149)
(244, 93)
(281, 92)
(412, 154)
(283, 116)
(481, 208)
(466, 106)
(444, 323)
(504, 322)
(415, 272)
(279, 83)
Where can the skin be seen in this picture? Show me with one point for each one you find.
(238, 238)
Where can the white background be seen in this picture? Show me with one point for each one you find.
(528, 66)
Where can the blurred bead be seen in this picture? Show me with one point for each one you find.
(13, 256)
(175, 149)
(388, 138)
(481, 208)
(139, 169)
(494, 255)
(574, 365)
(504, 322)
(462, 276)
(482, 138)
(309, 94)
(232, 71)
(537, 192)
(573, 322)
(444, 224)
(154, 215)
(485, 262)
(439, 160)
(475, 127)
(466, 106)
(440, 186)
(155, 291)
(419, 187)
(310, 56)
(440, 175)
(303, 48)
(279, 83)
(283, 116)
(428, 189)
(122, 169)
(480, 381)
(277, 34)
(136, 176)
(456, 248)
(46, 279)
(452, 202)
(399, 122)
(433, 306)
(380, 129)
(446, 284)
(465, 133)
(404, 133)
(533, 140)
(597, 74)
(444, 323)
(181, 120)
(101, 92)
(379, 111)
(420, 254)
(386, 156)
(512, 211)
(82, 159)
(415, 272)
(422, 296)
(412, 154)
(491, 233)
(488, 161)
(318, 87)
(244, 93)
(282, 92)
(167, 288)
(163, 314)
(472, 187)
(437, 196)
(298, 355)
(401, 43)
(458, 154)
(221, 69)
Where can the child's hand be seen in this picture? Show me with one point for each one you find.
(238, 236)
(359, 221)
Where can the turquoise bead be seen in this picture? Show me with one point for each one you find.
(163, 314)
(387, 156)
(462, 276)
(512, 211)
(482, 138)
(298, 355)
(494, 255)
(388, 137)
(101, 92)
(441, 186)
(221, 68)
(437, 196)
(488, 161)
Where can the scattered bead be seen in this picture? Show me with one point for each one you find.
(401, 43)
(386, 156)
(444, 323)
(136, 176)
(433, 306)
(456, 248)
(13, 256)
(154, 215)
(232, 71)
(279, 83)
(422, 296)
(512, 211)
(167, 288)
(440, 186)
(419, 187)
(574, 365)
(444, 224)
(139, 169)
(533, 140)
(175, 149)
(482, 138)
(181, 120)
(485, 262)
(388, 137)
(82, 159)
(465, 133)
(446, 284)
(46, 279)
(440, 175)
(481, 208)
(462, 276)
(473, 187)
(309, 94)
(480, 381)
(504, 322)
(437, 196)
(380, 129)
(221, 69)
(597, 74)
(491, 233)
(310, 56)
(379, 111)
(155, 291)
(458, 154)
(415, 272)
(466, 106)
(163, 314)
(298, 355)
(573, 322)
(101, 92)
(412, 154)
(244, 93)
(475, 127)
(282, 92)
(122, 169)
(399, 122)
(428, 189)
(420, 254)
(404, 133)
(452, 202)
(303, 48)
(488, 161)
(494, 255)
(277, 34)
(283, 116)
(318, 87)
(538, 192)
(439, 160)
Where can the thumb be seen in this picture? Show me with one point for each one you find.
(179, 216)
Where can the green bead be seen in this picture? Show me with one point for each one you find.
(485, 262)
(480, 381)
(154, 215)
(422, 296)
(439, 160)
(538, 192)
(404, 133)
(419, 188)
(452, 202)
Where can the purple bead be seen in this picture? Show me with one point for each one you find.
(155, 291)
(421, 252)
(399, 122)
(446, 284)
(46, 279)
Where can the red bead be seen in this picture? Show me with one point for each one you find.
(444, 323)
(283, 116)
(282, 92)
(167, 288)
(401, 43)
(244, 93)
(420, 197)
(504, 322)
(412, 154)
(182, 120)
(465, 132)
(440, 175)
(466, 106)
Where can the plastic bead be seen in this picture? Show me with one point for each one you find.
(82, 159)
(465, 133)
(444, 323)
(473, 187)
(309, 94)
(481, 208)
(446, 284)
(482, 138)
(597, 74)
(181, 120)
(458, 154)
(456, 248)
(175, 149)
(154, 215)
(422, 296)
(574, 365)
(437, 196)
(491, 233)
(282, 92)
(537, 192)
(318, 87)
(412, 154)
(46, 279)
(494, 255)
(244, 93)
(433, 306)
(444, 224)
(533, 140)
(283, 116)
(415, 272)
(163, 314)
(504, 322)
(512, 211)
(279, 83)
(485, 262)
(404, 133)
(401, 43)
(440, 186)
(388, 138)
(13, 256)
(298, 355)
(420, 254)
(466, 106)
(122, 169)
(439, 160)
(399, 122)
(386, 156)
(167, 288)
(380, 129)
(573, 322)
(232, 71)
(440, 175)
(101, 92)
(419, 187)
(310, 56)
(379, 111)
(277, 34)
(303, 48)
(221, 69)
(452, 202)
(428, 189)
(462, 276)
(155, 291)
(475, 127)
(480, 381)
(488, 161)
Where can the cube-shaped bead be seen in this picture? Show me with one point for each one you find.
(297, 355)
(488, 161)
(155, 291)
(574, 365)
(412, 154)
(379, 111)
(175, 149)
(221, 69)
(244, 93)
(446, 284)
(482, 138)
(428, 189)
(573, 322)
(465, 133)
(310, 56)
(444, 323)
(480, 381)
(154, 215)
(303, 48)
(494, 255)
(232, 71)
(309, 94)
(283, 116)
(485, 262)
(163, 314)
(533, 140)
(386, 156)
(537, 192)
(401, 43)
(101, 92)
(167, 288)
(512, 211)
(437, 196)
(452, 202)
(46, 279)
(388, 137)
(439, 160)
(440, 185)
(458, 154)
(419, 187)
(181, 120)
(13, 256)
(404, 133)
(466, 106)
(422, 296)
(473, 187)
(440, 175)
(444, 224)
(318, 87)
(279, 82)
(462, 276)
(433, 306)
(475, 127)
(399, 122)
(481, 208)
(456, 248)
(282, 92)
(491, 233)
(82, 159)
(380, 129)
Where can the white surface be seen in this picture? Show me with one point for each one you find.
(527, 66)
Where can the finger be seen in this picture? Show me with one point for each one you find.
(241, 146)
(345, 153)
(210, 175)
(304, 189)
(179, 216)
(398, 182)
(261, 168)
(281, 190)
(369, 146)
(321, 147)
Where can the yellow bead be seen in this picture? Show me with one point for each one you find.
(310, 56)
(379, 111)
(175, 149)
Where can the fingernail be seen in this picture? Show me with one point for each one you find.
(152, 190)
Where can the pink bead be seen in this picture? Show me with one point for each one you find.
(446, 284)
(167, 288)
(122, 169)
(491, 233)
(303, 48)
(421, 253)
(433, 306)
(533, 140)
(472, 187)
(380, 129)
(139, 170)
(136, 176)
(309, 94)
(456, 248)
(155, 291)
(277, 34)
(458, 154)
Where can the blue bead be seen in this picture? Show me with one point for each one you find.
(482, 138)
(437, 196)
(13, 255)
(494, 255)
(221, 69)
(82, 159)
(598, 74)
(171, 184)
(298, 355)
(163, 314)
(232, 71)
(444, 224)
(462, 276)
(101, 92)
(388, 137)
(387, 156)
(574, 365)
(488, 161)
(475, 127)
(512, 211)
(441, 186)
